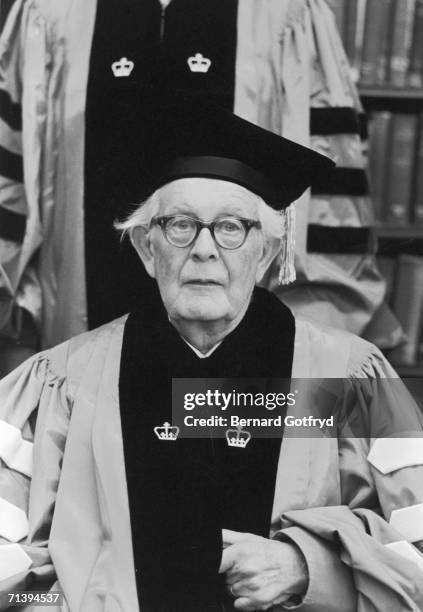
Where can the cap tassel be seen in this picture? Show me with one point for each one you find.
(287, 255)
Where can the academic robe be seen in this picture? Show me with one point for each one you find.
(277, 63)
(353, 505)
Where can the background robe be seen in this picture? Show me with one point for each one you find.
(291, 76)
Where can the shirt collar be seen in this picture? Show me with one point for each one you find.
(199, 353)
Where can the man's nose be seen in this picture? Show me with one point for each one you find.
(204, 246)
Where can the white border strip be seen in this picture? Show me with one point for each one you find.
(408, 522)
(13, 521)
(13, 560)
(14, 450)
(406, 550)
(390, 454)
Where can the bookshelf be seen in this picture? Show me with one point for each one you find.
(383, 40)
(394, 241)
(404, 238)
(408, 232)
(390, 93)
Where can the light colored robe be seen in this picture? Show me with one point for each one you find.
(289, 60)
(67, 517)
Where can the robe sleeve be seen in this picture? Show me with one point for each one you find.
(34, 414)
(315, 102)
(24, 65)
(365, 554)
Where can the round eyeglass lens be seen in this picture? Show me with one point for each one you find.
(180, 230)
(229, 233)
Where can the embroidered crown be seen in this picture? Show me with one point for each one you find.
(167, 432)
(238, 437)
(198, 63)
(123, 67)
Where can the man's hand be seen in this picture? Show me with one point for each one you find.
(261, 573)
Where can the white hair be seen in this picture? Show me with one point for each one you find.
(141, 216)
(271, 220)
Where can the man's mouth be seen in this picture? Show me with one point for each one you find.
(202, 281)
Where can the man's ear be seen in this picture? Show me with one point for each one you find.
(270, 250)
(141, 243)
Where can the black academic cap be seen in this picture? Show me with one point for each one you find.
(192, 138)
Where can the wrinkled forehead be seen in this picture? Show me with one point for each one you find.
(206, 198)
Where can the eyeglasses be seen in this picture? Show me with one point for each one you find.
(227, 232)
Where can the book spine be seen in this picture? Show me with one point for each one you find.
(375, 44)
(360, 22)
(379, 131)
(402, 147)
(408, 307)
(415, 77)
(418, 174)
(401, 37)
(382, 65)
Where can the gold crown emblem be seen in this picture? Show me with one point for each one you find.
(167, 432)
(198, 63)
(238, 437)
(123, 67)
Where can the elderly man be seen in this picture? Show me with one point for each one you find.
(95, 506)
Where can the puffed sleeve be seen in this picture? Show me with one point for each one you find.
(380, 399)
(364, 554)
(308, 95)
(34, 414)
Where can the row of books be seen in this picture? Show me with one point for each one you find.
(396, 167)
(404, 277)
(383, 40)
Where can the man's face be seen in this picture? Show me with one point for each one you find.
(205, 282)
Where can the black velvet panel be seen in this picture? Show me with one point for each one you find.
(11, 165)
(182, 493)
(342, 181)
(207, 27)
(10, 112)
(115, 114)
(340, 240)
(12, 225)
(338, 120)
(334, 120)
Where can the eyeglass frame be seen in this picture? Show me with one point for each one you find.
(248, 224)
